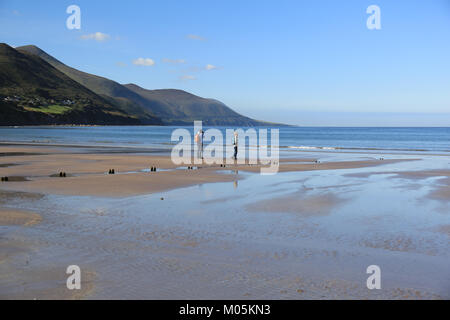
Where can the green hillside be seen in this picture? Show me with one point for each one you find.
(34, 92)
(173, 107)
(112, 91)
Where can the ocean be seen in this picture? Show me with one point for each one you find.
(337, 139)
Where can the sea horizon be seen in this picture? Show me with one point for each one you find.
(375, 139)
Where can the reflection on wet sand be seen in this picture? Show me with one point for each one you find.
(298, 202)
(301, 234)
(17, 217)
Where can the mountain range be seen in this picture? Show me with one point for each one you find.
(38, 89)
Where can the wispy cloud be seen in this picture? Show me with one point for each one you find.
(173, 61)
(210, 67)
(195, 37)
(146, 62)
(121, 64)
(187, 77)
(192, 69)
(98, 36)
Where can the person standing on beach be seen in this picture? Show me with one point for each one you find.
(235, 143)
(202, 136)
(199, 141)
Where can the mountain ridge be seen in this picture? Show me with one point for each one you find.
(183, 107)
(33, 92)
(109, 89)
(160, 106)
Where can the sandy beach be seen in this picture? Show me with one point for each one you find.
(221, 232)
(33, 169)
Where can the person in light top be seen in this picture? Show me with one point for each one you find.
(198, 138)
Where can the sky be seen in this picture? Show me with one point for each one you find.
(311, 62)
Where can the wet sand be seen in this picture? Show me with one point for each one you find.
(440, 191)
(220, 233)
(86, 173)
(299, 203)
(17, 217)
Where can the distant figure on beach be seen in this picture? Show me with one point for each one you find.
(198, 138)
(235, 143)
(202, 136)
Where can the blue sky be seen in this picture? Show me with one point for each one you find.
(301, 62)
